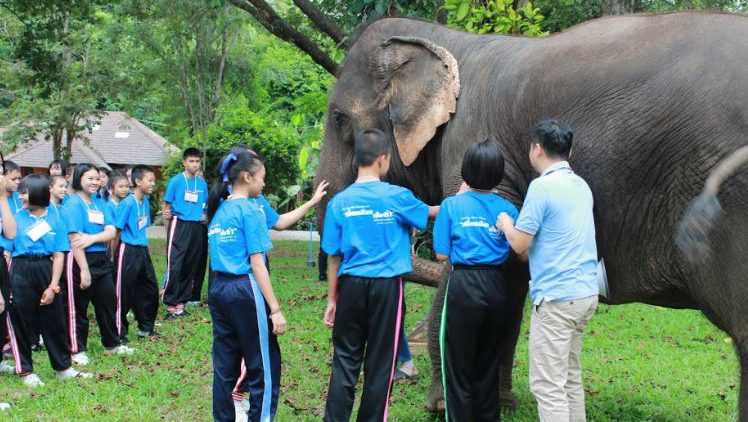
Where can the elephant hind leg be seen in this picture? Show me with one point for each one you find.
(743, 396)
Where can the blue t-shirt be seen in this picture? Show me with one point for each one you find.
(54, 240)
(563, 254)
(465, 229)
(237, 231)
(133, 220)
(111, 209)
(14, 203)
(55, 209)
(177, 193)
(269, 214)
(77, 212)
(369, 224)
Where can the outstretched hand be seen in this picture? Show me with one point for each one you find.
(504, 222)
(330, 314)
(319, 193)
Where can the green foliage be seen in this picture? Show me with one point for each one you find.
(494, 16)
(564, 14)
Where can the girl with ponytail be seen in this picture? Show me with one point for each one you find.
(245, 311)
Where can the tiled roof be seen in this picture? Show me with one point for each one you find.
(117, 139)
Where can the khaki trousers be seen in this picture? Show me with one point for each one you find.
(556, 331)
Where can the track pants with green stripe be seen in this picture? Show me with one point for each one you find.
(367, 329)
(242, 330)
(474, 326)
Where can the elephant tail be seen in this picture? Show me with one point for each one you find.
(692, 236)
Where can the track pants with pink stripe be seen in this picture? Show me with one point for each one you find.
(29, 278)
(100, 293)
(136, 288)
(367, 329)
(5, 292)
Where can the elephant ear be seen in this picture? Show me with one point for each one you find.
(419, 82)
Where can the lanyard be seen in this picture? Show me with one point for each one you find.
(138, 206)
(42, 217)
(186, 183)
(92, 204)
(15, 202)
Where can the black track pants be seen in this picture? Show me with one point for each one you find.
(29, 279)
(136, 288)
(5, 292)
(474, 325)
(100, 293)
(186, 255)
(367, 327)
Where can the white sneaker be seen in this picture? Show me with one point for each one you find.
(5, 368)
(120, 350)
(193, 303)
(4, 407)
(240, 412)
(32, 380)
(73, 373)
(80, 358)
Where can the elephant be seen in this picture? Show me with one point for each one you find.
(659, 109)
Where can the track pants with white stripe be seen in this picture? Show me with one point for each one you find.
(367, 329)
(136, 288)
(475, 320)
(186, 256)
(29, 278)
(5, 292)
(242, 330)
(100, 293)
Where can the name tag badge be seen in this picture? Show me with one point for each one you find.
(39, 229)
(142, 221)
(95, 217)
(190, 196)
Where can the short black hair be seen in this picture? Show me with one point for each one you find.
(116, 176)
(80, 170)
(9, 166)
(37, 187)
(61, 164)
(368, 145)
(138, 172)
(555, 137)
(483, 165)
(53, 179)
(191, 152)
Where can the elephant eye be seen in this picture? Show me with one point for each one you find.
(340, 118)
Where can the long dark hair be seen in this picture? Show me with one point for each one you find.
(231, 166)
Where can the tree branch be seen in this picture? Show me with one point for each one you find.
(270, 20)
(321, 21)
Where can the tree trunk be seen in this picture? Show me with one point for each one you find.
(321, 21)
(441, 12)
(270, 20)
(618, 7)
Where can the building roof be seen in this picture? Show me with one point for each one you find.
(118, 139)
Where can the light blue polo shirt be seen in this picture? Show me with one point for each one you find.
(175, 195)
(563, 254)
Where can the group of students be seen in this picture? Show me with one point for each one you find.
(367, 238)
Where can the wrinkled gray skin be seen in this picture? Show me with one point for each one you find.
(656, 102)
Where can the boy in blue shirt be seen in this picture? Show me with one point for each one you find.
(184, 215)
(8, 225)
(367, 237)
(136, 280)
(477, 302)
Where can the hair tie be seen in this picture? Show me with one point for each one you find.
(225, 166)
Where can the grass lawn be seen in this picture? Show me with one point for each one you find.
(642, 363)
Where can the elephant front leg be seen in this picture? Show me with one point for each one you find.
(435, 399)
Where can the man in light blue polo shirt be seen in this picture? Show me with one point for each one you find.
(557, 228)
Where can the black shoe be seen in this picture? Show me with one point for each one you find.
(124, 339)
(170, 316)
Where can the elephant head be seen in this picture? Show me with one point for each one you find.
(405, 86)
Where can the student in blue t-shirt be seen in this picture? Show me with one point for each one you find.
(119, 189)
(367, 238)
(477, 302)
(136, 279)
(277, 222)
(58, 190)
(8, 226)
(241, 297)
(88, 266)
(12, 177)
(184, 215)
(38, 249)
